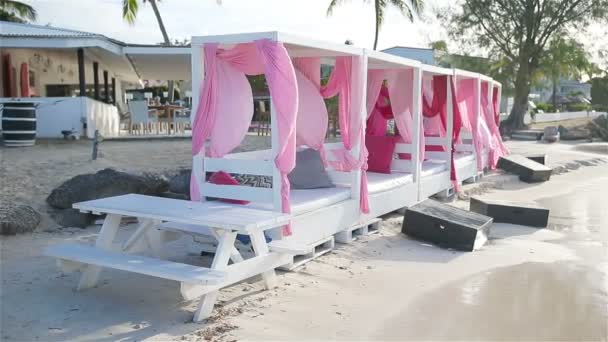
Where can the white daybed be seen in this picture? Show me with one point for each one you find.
(465, 159)
(435, 170)
(316, 214)
(399, 189)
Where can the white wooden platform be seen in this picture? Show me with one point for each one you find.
(316, 250)
(352, 233)
(221, 221)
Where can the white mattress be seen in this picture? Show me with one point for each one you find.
(433, 167)
(463, 158)
(378, 182)
(303, 201)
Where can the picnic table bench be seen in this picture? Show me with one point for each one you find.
(158, 216)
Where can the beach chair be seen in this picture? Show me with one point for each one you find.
(142, 118)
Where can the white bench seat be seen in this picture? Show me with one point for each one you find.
(138, 264)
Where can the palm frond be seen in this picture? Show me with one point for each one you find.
(129, 10)
(18, 10)
(332, 5)
(414, 7)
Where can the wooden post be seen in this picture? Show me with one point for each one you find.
(450, 124)
(95, 145)
(198, 69)
(96, 80)
(106, 86)
(81, 73)
(113, 90)
(417, 113)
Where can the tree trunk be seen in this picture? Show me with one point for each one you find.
(522, 91)
(377, 8)
(161, 25)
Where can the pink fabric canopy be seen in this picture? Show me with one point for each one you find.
(226, 91)
(467, 104)
(497, 147)
(346, 80)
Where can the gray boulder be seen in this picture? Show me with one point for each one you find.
(73, 218)
(105, 183)
(17, 218)
(180, 183)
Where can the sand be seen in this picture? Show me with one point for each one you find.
(527, 283)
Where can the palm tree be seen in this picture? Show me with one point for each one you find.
(407, 8)
(130, 8)
(16, 11)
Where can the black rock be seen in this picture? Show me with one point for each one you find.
(180, 183)
(16, 218)
(73, 218)
(105, 183)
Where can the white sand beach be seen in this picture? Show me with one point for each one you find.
(525, 284)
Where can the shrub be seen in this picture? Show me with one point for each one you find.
(579, 107)
(599, 127)
(545, 107)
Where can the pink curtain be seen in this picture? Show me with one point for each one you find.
(457, 124)
(497, 148)
(312, 114)
(374, 85)
(226, 90)
(467, 102)
(400, 85)
(496, 105)
(346, 80)
(309, 67)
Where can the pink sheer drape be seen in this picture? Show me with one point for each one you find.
(497, 148)
(467, 102)
(400, 87)
(224, 91)
(346, 80)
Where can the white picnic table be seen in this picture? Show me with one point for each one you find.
(157, 216)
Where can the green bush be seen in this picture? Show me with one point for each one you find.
(578, 107)
(599, 127)
(545, 107)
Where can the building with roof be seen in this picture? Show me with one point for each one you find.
(79, 78)
(424, 55)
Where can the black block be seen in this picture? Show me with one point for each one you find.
(539, 158)
(446, 226)
(526, 214)
(528, 170)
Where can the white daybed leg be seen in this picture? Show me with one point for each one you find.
(260, 247)
(104, 241)
(220, 262)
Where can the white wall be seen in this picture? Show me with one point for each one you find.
(55, 114)
(548, 117)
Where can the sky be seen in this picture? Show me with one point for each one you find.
(353, 20)
(184, 18)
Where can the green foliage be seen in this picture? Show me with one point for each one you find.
(518, 31)
(599, 127)
(578, 107)
(16, 11)
(545, 107)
